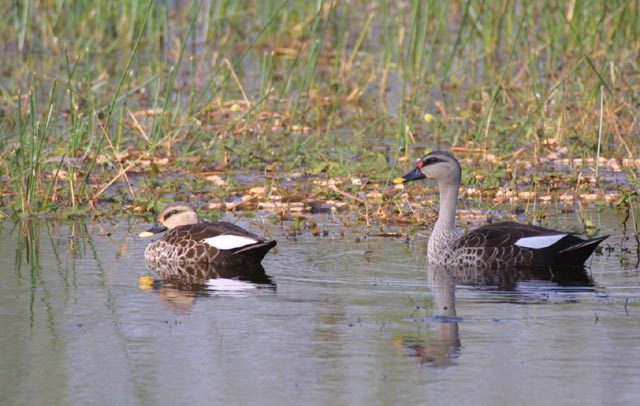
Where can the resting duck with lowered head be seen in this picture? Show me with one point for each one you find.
(189, 240)
(496, 246)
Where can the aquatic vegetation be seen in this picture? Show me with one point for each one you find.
(292, 107)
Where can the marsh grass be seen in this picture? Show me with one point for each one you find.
(102, 103)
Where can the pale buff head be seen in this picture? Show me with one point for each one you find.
(174, 215)
(178, 214)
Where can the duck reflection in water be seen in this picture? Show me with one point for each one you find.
(445, 346)
(181, 284)
(204, 276)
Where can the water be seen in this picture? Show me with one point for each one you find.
(349, 320)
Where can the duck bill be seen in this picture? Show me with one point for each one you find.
(156, 229)
(415, 174)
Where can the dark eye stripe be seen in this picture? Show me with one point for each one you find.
(171, 213)
(432, 160)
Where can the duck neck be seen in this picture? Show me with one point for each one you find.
(448, 202)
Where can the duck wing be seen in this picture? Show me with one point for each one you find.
(222, 236)
(228, 237)
(220, 239)
(509, 233)
(202, 231)
(514, 244)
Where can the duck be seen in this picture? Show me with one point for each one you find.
(495, 246)
(187, 239)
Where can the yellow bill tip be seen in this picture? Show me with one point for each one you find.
(145, 234)
(398, 181)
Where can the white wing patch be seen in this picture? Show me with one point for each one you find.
(227, 242)
(542, 241)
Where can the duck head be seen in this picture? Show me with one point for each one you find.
(439, 165)
(174, 215)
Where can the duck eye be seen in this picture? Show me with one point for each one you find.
(431, 161)
(171, 213)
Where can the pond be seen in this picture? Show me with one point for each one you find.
(349, 318)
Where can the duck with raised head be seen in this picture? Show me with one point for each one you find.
(189, 240)
(497, 246)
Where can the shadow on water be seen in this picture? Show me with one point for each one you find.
(445, 347)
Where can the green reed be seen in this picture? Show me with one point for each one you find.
(33, 132)
(330, 87)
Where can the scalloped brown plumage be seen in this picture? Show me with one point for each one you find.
(187, 240)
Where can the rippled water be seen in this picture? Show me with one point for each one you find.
(351, 320)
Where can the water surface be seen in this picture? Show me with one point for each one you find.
(349, 319)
